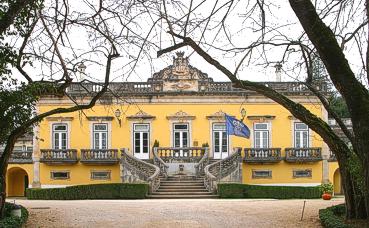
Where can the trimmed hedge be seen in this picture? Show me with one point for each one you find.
(13, 221)
(332, 217)
(236, 190)
(93, 191)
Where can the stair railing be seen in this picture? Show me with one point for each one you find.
(136, 168)
(227, 167)
(204, 161)
(160, 163)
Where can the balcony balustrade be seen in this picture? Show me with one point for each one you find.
(332, 157)
(20, 157)
(185, 154)
(311, 154)
(262, 155)
(58, 156)
(99, 156)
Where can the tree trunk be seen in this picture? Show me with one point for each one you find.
(2, 194)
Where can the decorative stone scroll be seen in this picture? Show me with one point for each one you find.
(141, 115)
(180, 115)
(220, 115)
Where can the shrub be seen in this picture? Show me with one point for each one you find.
(94, 191)
(12, 221)
(326, 188)
(235, 190)
(332, 217)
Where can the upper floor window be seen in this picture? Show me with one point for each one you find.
(301, 135)
(261, 135)
(60, 136)
(100, 133)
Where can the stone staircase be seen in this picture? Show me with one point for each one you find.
(182, 187)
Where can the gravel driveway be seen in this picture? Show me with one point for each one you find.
(175, 213)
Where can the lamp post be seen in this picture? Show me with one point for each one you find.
(117, 114)
(243, 114)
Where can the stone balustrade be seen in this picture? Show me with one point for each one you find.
(262, 155)
(153, 87)
(136, 170)
(184, 154)
(58, 156)
(310, 154)
(227, 169)
(99, 156)
(20, 157)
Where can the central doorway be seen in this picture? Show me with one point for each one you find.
(220, 141)
(181, 138)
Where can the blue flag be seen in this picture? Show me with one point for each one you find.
(236, 127)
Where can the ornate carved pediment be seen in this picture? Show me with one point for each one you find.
(180, 115)
(220, 115)
(180, 76)
(141, 115)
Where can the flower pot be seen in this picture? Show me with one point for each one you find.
(327, 196)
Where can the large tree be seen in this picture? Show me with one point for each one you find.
(43, 45)
(249, 33)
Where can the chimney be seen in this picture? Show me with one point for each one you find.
(81, 69)
(278, 68)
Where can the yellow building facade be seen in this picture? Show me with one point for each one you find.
(179, 107)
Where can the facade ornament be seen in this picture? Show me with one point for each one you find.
(180, 115)
(141, 115)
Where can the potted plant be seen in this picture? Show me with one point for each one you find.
(327, 190)
(156, 143)
(205, 144)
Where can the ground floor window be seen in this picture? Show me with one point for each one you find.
(60, 175)
(261, 174)
(100, 174)
(301, 173)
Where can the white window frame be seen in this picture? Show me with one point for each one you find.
(93, 172)
(301, 132)
(66, 131)
(60, 178)
(261, 131)
(180, 130)
(141, 138)
(255, 176)
(100, 133)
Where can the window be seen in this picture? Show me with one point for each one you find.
(261, 174)
(301, 173)
(60, 136)
(100, 134)
(220, 141)
(141, 140)
(301, 135)
(261, 135)
(100, 175)
(60, 175)
(180, 132)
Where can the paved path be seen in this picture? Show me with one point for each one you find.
(174, 213)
